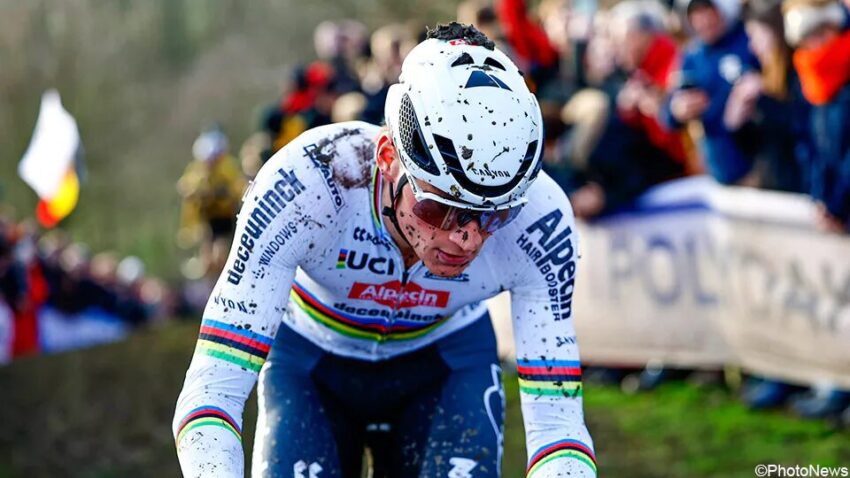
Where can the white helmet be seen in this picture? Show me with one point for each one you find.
(464, 121)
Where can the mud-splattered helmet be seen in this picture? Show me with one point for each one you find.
(464, 121)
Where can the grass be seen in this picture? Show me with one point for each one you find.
(680, 430)
(106, 412)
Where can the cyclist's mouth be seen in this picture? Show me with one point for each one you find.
(452, 259)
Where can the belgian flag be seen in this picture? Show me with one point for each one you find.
(51, 163)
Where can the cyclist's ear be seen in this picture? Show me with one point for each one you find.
(385, 155)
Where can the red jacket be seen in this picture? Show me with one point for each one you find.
(25, 335)
(527, 39)
(662, 58)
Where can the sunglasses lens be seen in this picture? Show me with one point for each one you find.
(464, 217)
(448, 217)
(493, 221)
(434, 213)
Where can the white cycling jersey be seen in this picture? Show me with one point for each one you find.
(311, 249)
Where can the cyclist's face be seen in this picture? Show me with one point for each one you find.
(445, 252)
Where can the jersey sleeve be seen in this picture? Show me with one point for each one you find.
(283, 216)
(548, 365)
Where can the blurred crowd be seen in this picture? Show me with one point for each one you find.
(55, 295)
(633, 93)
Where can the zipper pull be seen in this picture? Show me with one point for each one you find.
(404, 276)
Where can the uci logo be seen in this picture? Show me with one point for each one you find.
(359, 260)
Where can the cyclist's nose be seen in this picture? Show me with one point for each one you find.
(468, 237)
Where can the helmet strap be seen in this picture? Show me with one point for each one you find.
(390, 211)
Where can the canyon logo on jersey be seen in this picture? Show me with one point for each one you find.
(392, 294)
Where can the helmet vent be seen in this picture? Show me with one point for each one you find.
(463, 59)
(495, 64)
(411, 138)
(479, 78)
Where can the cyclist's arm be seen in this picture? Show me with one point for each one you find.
(557, 439)
(283, 215)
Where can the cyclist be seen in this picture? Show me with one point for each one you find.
(211, 187)
(355, 285)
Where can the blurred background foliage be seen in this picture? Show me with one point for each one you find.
(142, 79)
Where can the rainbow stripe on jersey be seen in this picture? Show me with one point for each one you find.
(550, 377)
(233, 344)
(377, 188)
(377, 328)
(561, 449)
(207, 416)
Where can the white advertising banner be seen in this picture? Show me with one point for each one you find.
(787, 297)
(649, 284)
(698, 275)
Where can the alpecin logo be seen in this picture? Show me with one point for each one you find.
(552, 253)
(391, 294)
(355, 260)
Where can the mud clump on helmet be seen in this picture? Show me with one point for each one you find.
(459, 31)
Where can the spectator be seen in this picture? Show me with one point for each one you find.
(348, 107)
(255, 151)
(32, 292)
(54, 297)
(128, 279)
(766, 110)
(81, 312)
(532, 51)
(649, 56)
(586, 116)
(341, 44)
(211, 187)
(569, 28)
(817, 28)
(599, 66)
(7, 318)
(718, 57)
(481, 14)
(389, 45)
(633, 151)
(307, 104)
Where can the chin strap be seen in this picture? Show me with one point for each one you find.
(390, 210)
